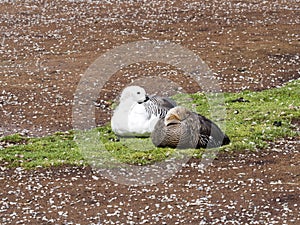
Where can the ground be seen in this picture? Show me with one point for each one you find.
(46, 48)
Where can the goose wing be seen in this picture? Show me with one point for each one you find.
(210, 135)
(159, 106)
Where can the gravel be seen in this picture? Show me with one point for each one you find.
(45, 48)
(240, 188)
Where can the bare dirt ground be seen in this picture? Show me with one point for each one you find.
(239, 188)
(47, 46)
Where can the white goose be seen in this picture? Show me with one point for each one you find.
(137, 114)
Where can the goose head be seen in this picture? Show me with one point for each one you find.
(176, 115)
(135, 94)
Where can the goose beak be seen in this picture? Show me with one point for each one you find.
(143, 100)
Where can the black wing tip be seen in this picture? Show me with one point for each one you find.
(226, 140)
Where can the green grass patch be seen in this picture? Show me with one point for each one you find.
(14, 139)
(54, 150)
(264, 117)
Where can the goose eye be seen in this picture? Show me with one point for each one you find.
(138, 92)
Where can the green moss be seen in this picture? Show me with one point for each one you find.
(52, 150)
(265, 117)
(13, 139)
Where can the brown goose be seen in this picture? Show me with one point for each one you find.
(182, 128)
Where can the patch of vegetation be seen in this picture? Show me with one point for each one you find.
(54, 150)
(250, 119)
(13, 139)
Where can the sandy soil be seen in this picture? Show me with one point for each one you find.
(47, 46)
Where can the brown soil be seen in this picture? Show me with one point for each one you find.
(47, 46)
(238, 188)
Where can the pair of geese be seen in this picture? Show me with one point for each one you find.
(168, 125)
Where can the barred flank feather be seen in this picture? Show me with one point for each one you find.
(158, 106)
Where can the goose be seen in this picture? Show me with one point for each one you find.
(182, 128)
(137, 113)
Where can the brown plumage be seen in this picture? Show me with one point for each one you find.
(182, 128)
